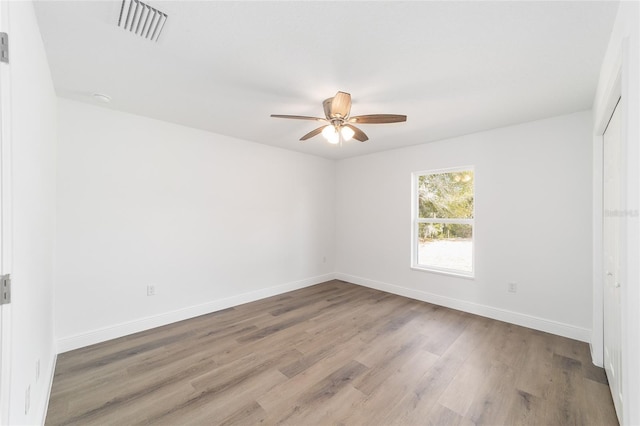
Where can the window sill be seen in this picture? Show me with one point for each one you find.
(450, 273)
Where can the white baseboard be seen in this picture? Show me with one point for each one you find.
(596, 356)
(529, 321)
(107, 333)
(112, 332)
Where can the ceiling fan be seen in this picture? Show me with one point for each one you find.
(339, 124)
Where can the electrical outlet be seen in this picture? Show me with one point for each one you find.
(324, 259)
(37, 370)
(27, 400)
(151, 290)
(512, 287)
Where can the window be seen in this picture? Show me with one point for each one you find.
(443, 221)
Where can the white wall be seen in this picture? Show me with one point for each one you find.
(33, 141)
(213, 221)
(622, 59)
(533, 223)
(210, 220)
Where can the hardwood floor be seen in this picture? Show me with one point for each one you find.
(334, 353)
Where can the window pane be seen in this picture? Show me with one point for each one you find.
(446, 195)
(445, 245)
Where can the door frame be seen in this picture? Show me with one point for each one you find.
(619, 86)
(5, 222)
(613, 94)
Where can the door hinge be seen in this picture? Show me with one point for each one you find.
(5, 289)
(4, 47)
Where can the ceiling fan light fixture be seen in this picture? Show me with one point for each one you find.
(331, 134)
(347, 133)
(337, 111)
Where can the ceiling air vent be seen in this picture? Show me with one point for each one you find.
(141, 19)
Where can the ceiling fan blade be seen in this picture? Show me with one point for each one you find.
(312, 133)
(378, 119)
(326, 104)
(357, 133)
(298, 117)
(341, 105)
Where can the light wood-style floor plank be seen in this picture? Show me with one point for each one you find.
(334, 353)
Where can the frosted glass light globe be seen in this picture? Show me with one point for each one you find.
(331, 134)
(347, 133)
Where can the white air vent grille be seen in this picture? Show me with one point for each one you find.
(142, 19)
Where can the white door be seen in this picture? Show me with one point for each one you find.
(5, 223)
(613, 240)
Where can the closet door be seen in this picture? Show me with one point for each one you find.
(613, 241)
(5, 224)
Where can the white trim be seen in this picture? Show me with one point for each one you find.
(630, 293)
(444, 170)
(123, 329)
(529, 321)
(6, 234)
(52, 374)
(443, 271)
(457, 221)
(597, 336)
(415, 221)
(610, 99)
(621, 79)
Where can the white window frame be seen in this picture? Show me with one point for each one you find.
(415, 221)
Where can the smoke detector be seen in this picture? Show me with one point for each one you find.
(142, 19)
(102, 97)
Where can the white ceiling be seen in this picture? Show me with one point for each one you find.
(452, 67)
